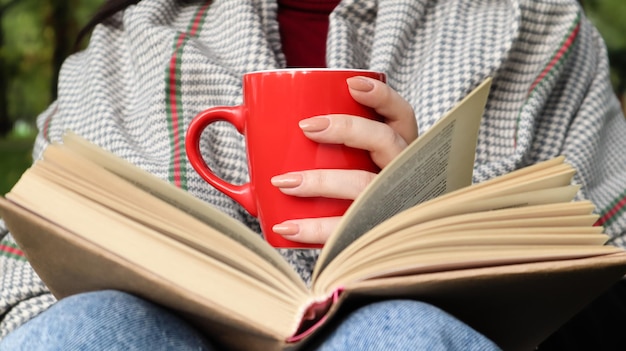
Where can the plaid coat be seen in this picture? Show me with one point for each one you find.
(149, 69)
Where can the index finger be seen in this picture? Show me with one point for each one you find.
(398, 113)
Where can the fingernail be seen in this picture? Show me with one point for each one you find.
(360, 84)
(289, 180)
(314, 124)
(286, 228)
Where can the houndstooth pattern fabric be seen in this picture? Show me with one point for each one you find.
(149, 70)
(23, 294)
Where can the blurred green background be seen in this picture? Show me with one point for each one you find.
(36, 35)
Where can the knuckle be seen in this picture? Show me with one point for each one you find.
(341, 128)
(319, 233)
(313, 182)
(389, 136)
(319, 180)
(312, 231)
(345, 125)
(363, 180)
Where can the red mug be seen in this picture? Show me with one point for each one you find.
(274, 101)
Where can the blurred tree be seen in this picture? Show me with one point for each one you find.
(37, 36)
(5, 121)
(64, 25)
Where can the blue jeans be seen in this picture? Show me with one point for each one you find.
(112, 320)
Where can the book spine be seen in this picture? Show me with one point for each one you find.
(314, 316)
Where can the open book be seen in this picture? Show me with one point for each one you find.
(507, 256)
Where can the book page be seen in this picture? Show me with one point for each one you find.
(179, 199)
(574, 215)
(214, 282)
(462, 257)
(374, 258)
(543, 183)
(77, 175)
(439, 161)
(467, 215)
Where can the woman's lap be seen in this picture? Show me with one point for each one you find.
(112, 320)
(104, 320)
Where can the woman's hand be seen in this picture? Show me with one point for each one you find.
(384, 141)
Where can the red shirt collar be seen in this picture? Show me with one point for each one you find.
(325, 6)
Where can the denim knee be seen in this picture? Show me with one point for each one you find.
(404, 325)
(105, 320)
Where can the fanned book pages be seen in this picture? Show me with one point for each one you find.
(507, 256)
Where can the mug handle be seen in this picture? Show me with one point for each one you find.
(234, 115)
